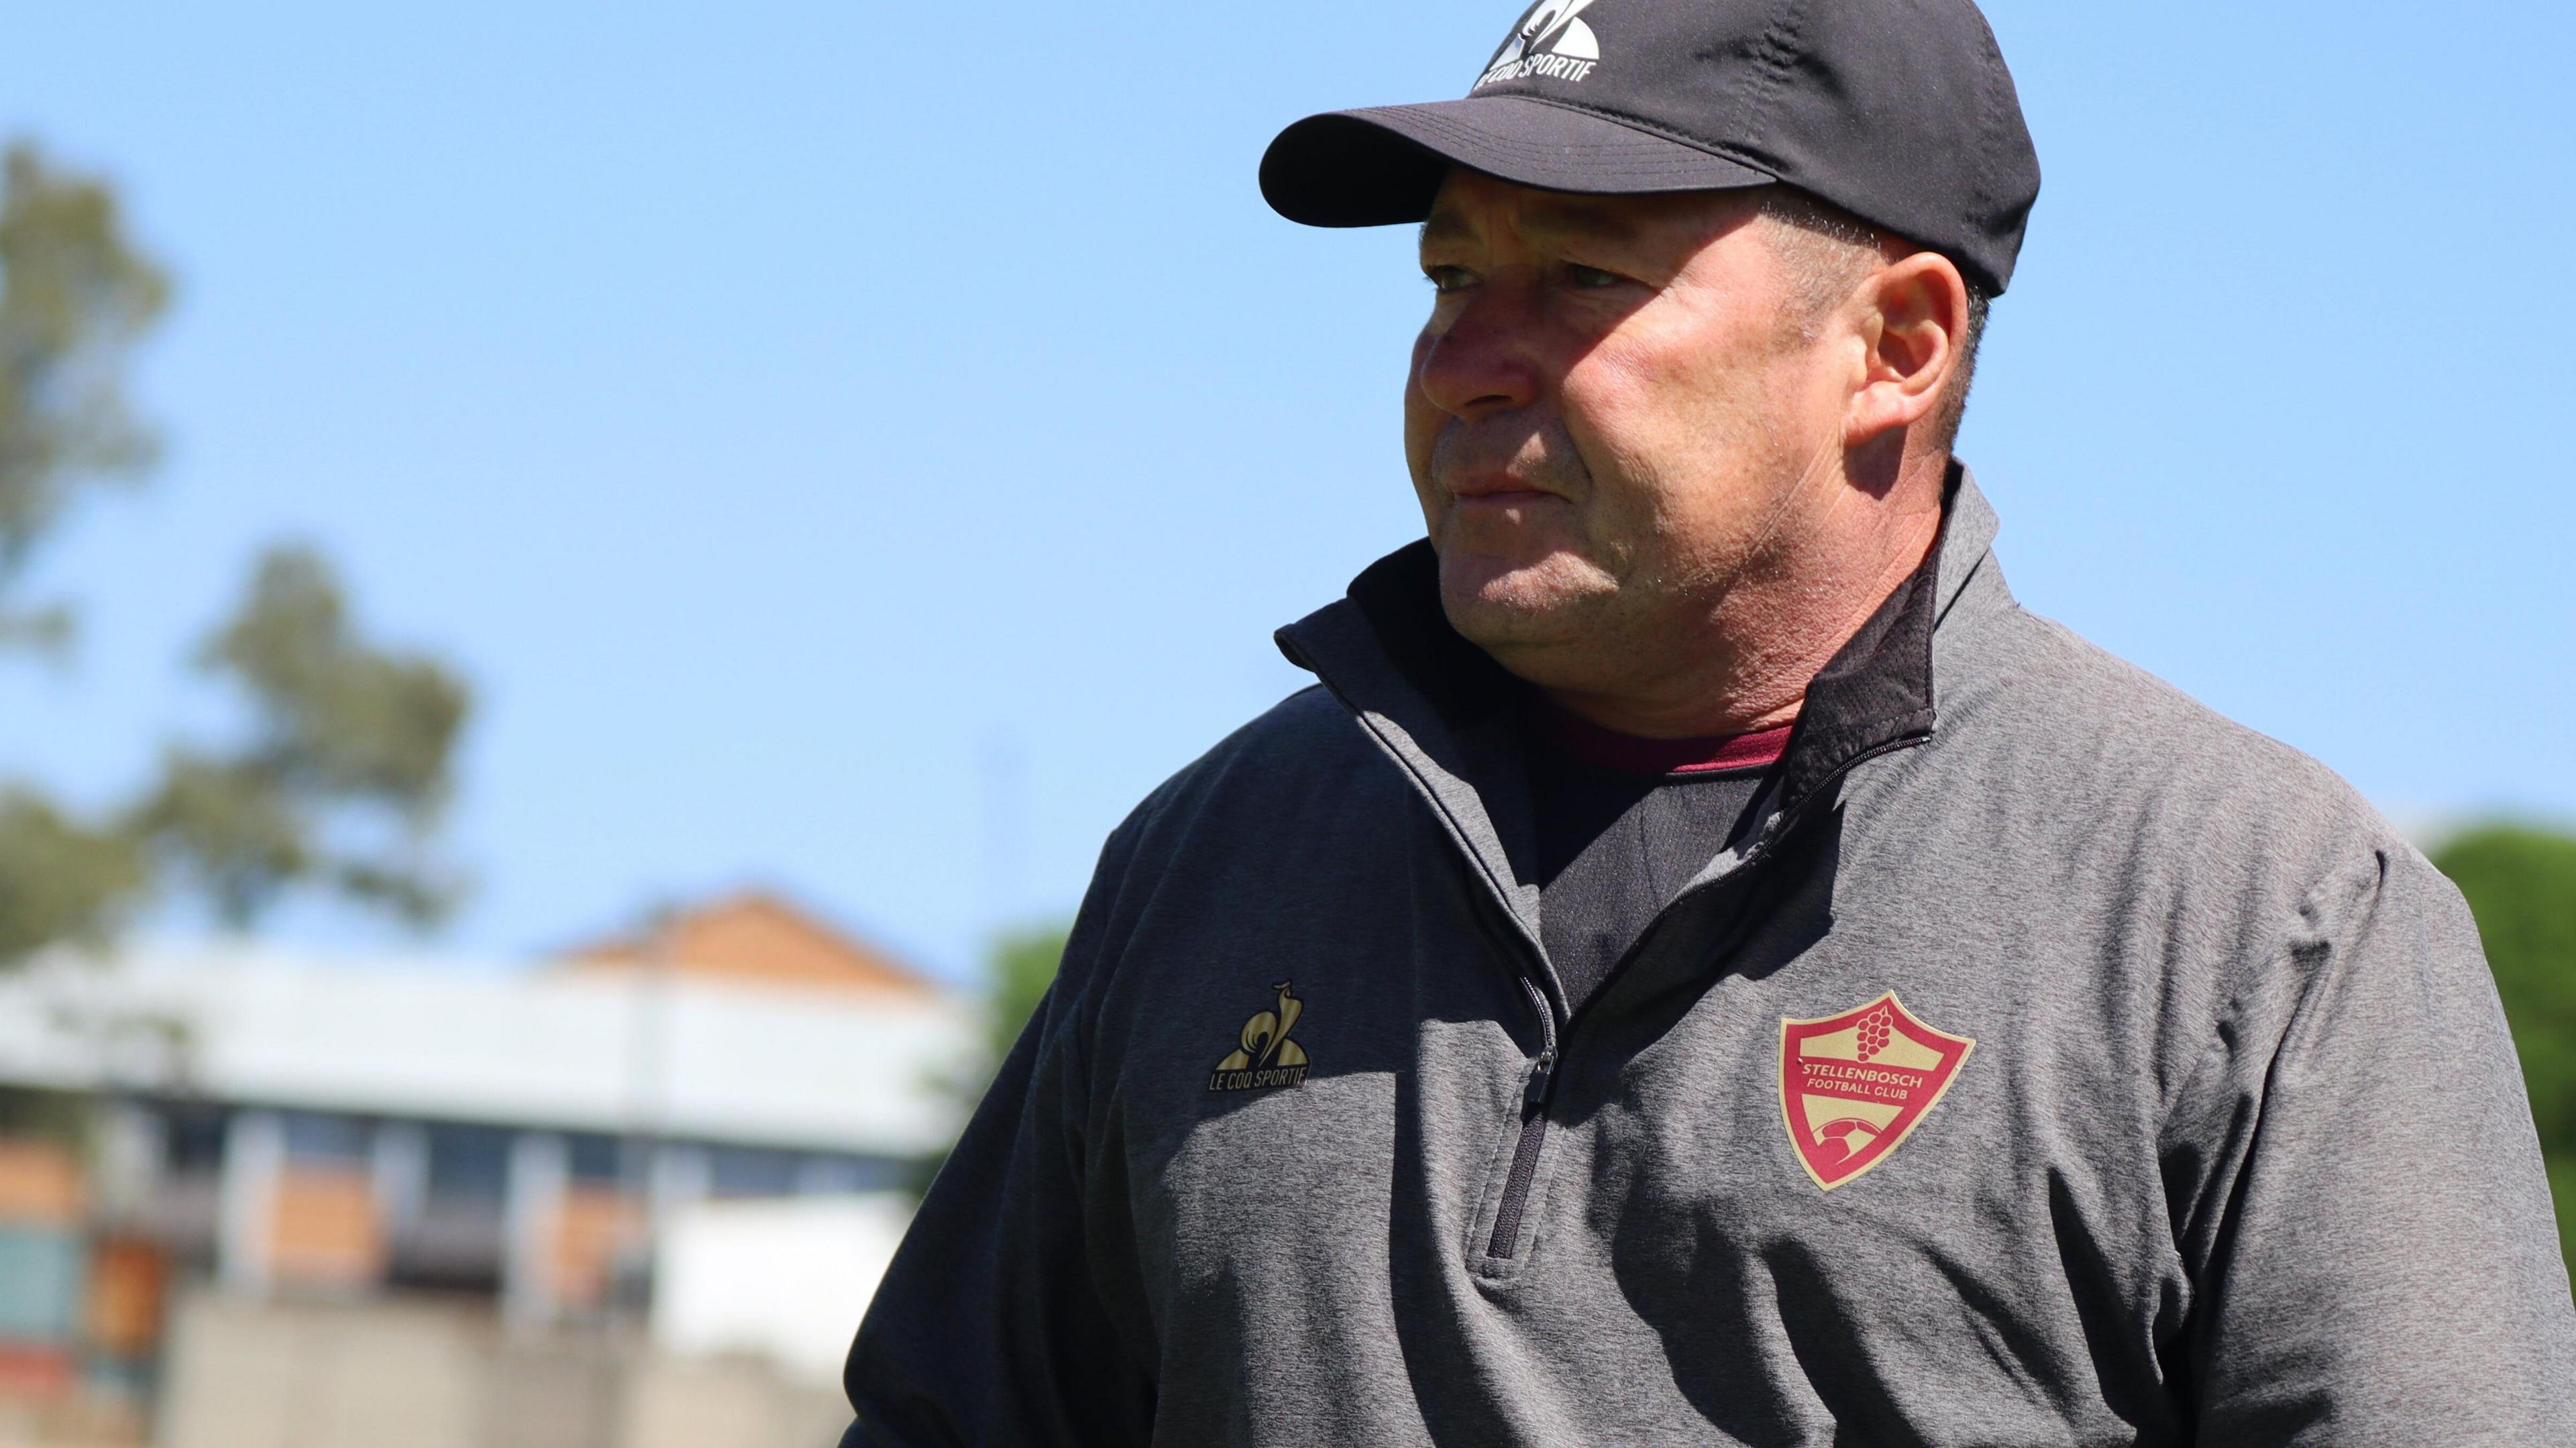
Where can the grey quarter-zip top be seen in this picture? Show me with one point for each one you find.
(2051, 1062)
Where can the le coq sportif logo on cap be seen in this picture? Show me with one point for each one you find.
(1551, 41)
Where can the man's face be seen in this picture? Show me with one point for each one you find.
(1615, 411)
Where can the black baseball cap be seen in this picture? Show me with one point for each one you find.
(1898, 111)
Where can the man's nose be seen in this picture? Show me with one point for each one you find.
(1483, 360)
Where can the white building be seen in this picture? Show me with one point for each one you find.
(301, 1126)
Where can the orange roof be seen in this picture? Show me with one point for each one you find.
(753, 937)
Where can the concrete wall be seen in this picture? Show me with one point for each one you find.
(681, 1404)
(244, 1374)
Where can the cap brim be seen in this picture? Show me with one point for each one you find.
(1382, 165)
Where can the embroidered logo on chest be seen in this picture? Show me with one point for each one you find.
(1263, 1055)
(1853, 1086)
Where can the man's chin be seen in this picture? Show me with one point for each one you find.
(1501, 605)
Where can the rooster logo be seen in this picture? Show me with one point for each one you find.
(1550, 43)
(1552, 29)
(1264, 1056)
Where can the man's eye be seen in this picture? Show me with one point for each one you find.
(1591, 276)
(1449, 278)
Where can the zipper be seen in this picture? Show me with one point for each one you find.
(1534, 1129)
(1533, 1139)
(1545, 1067)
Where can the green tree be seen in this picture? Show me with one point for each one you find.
(339, 779)
(1019, 965)
(75, 298)
(1017, 971)
(2521, 885)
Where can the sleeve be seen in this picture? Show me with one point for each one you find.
(2369, 1235)
(991, 1326)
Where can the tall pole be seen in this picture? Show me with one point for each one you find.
(1005, 779)
(648, 1091)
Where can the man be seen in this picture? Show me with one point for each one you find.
(1704, 966)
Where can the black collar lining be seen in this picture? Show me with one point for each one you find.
(1874, 694)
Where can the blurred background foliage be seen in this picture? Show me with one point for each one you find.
(1018, 966)
(343, 760)
(74, 300)
(1017, 972)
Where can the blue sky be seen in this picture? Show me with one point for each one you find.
(865, 448)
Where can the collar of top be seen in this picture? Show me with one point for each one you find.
(1388, 651)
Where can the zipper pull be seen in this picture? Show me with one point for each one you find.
(1542, 1079)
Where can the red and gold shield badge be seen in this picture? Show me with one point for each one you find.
(1853, 1086)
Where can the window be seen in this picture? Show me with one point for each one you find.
(326, 1141)
(596, 1160)
(834, 1174)
(468, 1163)
(192, 1140)
(745, 1171)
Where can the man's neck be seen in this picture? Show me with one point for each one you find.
(1746, 663)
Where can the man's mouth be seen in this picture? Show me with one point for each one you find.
(1495, 488)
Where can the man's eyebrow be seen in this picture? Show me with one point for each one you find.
(1445, 226)
(1562, 220)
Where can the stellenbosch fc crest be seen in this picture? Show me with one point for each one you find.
(1550, 42)
(1264, 1055)
(1852, 1086)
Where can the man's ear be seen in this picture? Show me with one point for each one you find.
(1916, 319)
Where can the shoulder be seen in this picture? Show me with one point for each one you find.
(1269, 821)
(1273, 767)
(2126, 756)
(1300, 776)
(2211, 877)
(2223, 853)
